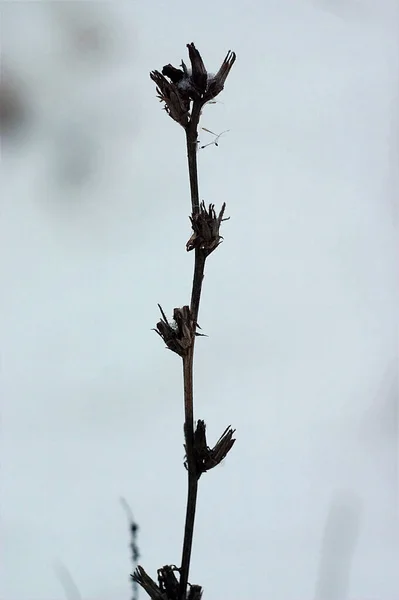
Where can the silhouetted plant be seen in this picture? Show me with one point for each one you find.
(184, 92)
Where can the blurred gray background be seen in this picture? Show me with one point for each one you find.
(300, 301)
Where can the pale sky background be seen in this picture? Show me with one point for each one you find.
(300, 301)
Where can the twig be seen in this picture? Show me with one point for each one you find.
(188, 361)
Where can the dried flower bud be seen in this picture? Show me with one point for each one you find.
(206, 226)
(148, 584)
(167, 587)
(183, 86)
(168, 582)
(206, 458)
(179, 334)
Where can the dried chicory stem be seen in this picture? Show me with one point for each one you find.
(184, 92)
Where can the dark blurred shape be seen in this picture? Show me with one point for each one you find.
(338, 546)
(175, 75)
(13, 108)
(89, 30)
(88, 39)
(133, 527)
(65, 94)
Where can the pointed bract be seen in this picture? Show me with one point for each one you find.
(176, 104)
(208, 458)
(199, 74)
(216, 84)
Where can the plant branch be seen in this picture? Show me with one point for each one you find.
(198, 277)
(192, 148)
(188, 361)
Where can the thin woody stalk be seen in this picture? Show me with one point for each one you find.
(192, 143)
(192, 491)
(188, 366)
(185, 93)
(188, 361)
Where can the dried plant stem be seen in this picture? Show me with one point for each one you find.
(188, 363)
(188, 360)
(184, 93)
(192, 143)
(199, 268)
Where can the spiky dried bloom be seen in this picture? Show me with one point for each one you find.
(206, 226)
(178, 87)
(148, 584)
(207, 458)
(167, 587)
(179, 334)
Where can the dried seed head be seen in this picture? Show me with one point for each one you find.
(167, 587)
(179, 334)
(183, 86)
(206, 458)
(206, 226)
(148, 584)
